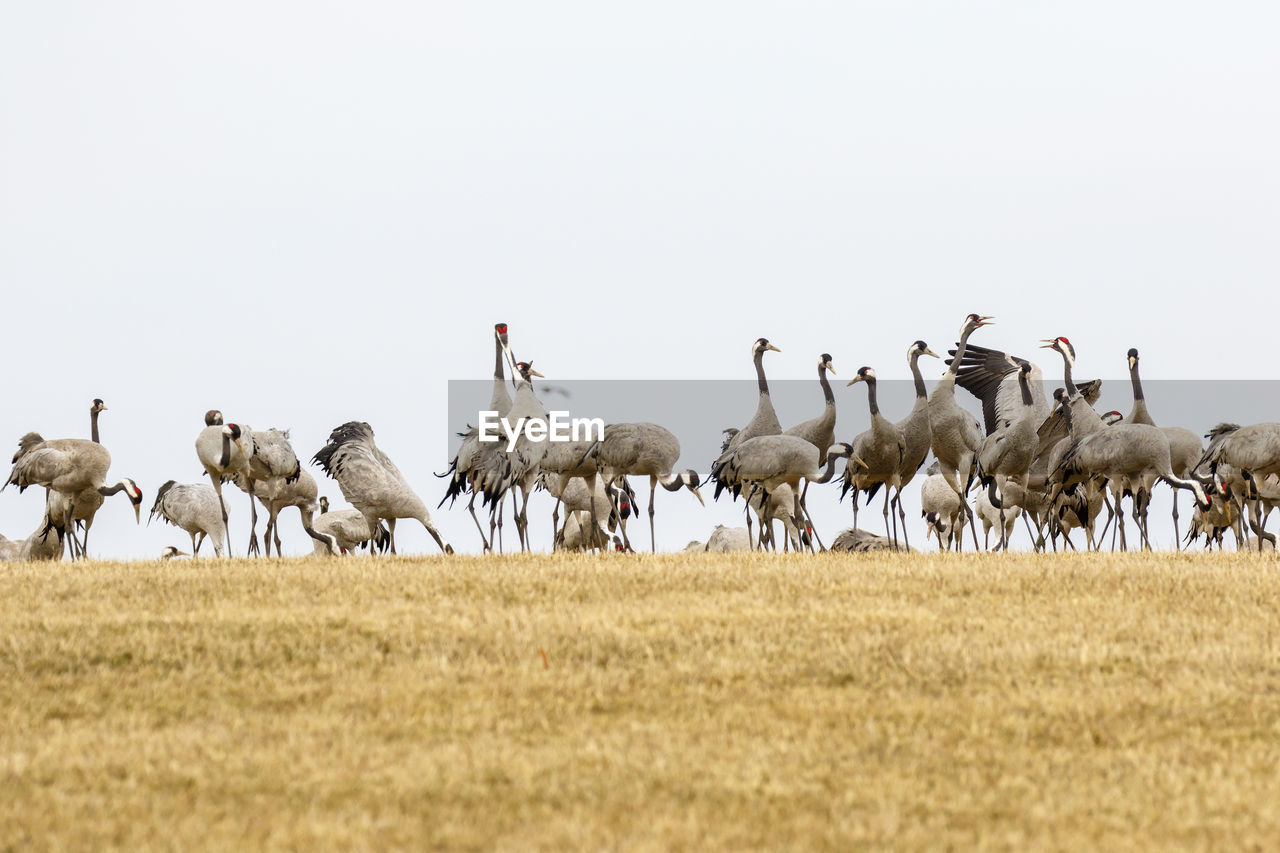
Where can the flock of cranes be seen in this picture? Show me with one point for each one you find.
(1056, 465)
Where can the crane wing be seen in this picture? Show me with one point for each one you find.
(992, 377)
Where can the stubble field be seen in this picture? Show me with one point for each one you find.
(681, 701)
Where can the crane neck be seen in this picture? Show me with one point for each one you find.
(829, 397)
(1136, 380)
(500, 400)
(93, 425)
(760, 379)
(959, 356)
(1066, 378)
(498, 374)
(1024, 385)
(921, 392)
(871, 397)
(827, 472)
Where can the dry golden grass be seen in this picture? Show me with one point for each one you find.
(681, 701)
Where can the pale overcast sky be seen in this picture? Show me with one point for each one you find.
(305, 213)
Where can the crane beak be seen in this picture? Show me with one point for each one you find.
(831, 369)
(928, 351)
(697, 494)
(1132, 362)
(852, 381)
(986, 321)
(855, 459)
(772, 347)
(137, 513)
(1046, 343)
(533, 372)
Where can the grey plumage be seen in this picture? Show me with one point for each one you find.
(937, 496)
(348, 530)
(725, 540)
(45, 543)
(465, 472)
(253, 460)
(1011, 448)
(1185, 448)
(1131, 456)
(820, 431)
(516, 470)
(954, 435)
(881, 449)
(195, 508)
(1254, 451)
(579, 494)
(644, 450)
(1002, 519)
(765, 420)
(221, 449)
(856, 540)
(769, 461)
(371, 482)
(277, 494)
(68, 466)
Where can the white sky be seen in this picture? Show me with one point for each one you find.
(307, 213)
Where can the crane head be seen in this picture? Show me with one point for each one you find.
(1063, 346)
(865, 374)
(976, 321)
(690, 479)
(824, 363)
(526, 370)
(135, 497)
(1133, 357)
(763, 345)
(920, 348)
(500, 329)
(97, 406)
(213, 417)
(1112, 417)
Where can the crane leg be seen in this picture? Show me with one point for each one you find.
(653, 490)
(391, 533)
(253, 521)
(222, 505)
(522, 521)
(555, 523)
(626, 541)
(1124, 544)
(274, 526)
(1027, 523)
(471, 508)
(1177, 536)
(595, 521)
(72, 542)
(888, 531)
(808, 519)
(1111, 514)
(902, 516)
